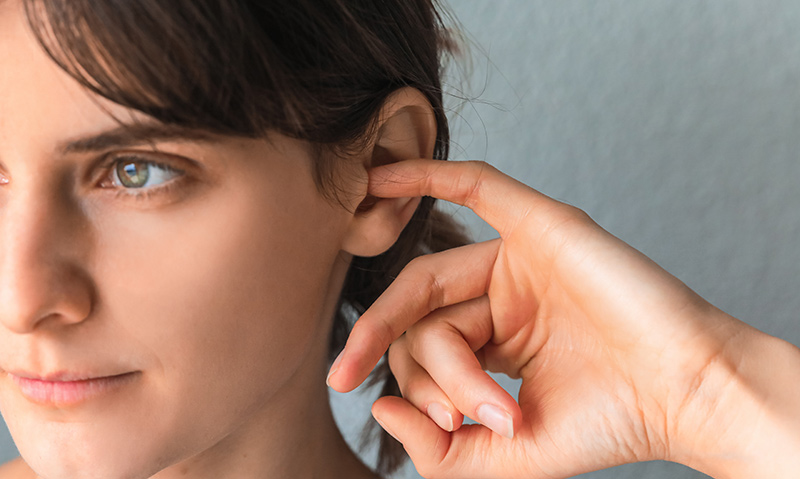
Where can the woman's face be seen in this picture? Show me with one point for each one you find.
(206, 270)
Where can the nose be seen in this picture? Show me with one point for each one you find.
(42, 282)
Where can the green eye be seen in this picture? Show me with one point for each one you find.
(137, 173)
(133, 174)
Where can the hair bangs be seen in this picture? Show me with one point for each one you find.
(171, 61)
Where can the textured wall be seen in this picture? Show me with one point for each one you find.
(673, 123)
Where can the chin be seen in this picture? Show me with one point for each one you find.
(53, 468)
(75, 459)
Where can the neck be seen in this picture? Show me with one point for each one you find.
(294, 436)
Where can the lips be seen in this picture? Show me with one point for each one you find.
(68, 388)
(61, 376)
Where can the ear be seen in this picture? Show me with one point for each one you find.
(406, 130)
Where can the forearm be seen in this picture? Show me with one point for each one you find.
(745, 418)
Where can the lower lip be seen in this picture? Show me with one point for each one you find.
(67, 393)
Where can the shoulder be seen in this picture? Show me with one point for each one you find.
(16, 469)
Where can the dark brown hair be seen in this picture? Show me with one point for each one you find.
(317, 70)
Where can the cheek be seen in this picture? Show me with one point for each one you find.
(238, 287)
(226, 311)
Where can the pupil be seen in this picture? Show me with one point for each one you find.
(133, 175)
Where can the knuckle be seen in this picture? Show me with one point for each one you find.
(577, 214)
(428, 336)
(431, 467)
(569, 222)
(421, 329)
(434, 291)
(417, 389)
(442, 461)
(472, 182)
(382, 332)
(425, 287)
(414, 268)
(462, 390)
(479, 166)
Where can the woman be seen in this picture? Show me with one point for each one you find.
(187, 271)
(183, 197)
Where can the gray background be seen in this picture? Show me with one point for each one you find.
(673, 123)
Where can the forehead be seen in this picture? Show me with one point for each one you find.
(40, 105)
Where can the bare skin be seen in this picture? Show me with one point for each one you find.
(212, 283)
(214, 287)
(620, 361)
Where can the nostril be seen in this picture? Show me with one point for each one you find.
(27, 304)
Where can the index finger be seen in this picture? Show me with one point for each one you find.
(494, 196)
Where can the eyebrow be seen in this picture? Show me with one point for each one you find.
(132, 135)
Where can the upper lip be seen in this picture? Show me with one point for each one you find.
(62, 376)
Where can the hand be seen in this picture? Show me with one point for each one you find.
(613, 351)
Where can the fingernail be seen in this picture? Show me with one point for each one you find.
(496, 419)
(387, 430)
(441, 416)
(334, 368)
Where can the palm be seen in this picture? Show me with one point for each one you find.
(580, 407)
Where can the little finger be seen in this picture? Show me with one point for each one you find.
(420, 389)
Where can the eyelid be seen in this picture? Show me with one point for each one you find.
(109, 163)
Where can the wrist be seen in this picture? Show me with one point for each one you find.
(741, 418)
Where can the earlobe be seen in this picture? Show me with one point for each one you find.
(406, 130)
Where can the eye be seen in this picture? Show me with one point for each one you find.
(136, 173)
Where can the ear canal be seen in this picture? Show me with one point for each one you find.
(367, 203)
(406, 130)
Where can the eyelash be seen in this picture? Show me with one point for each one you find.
(139, 194)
